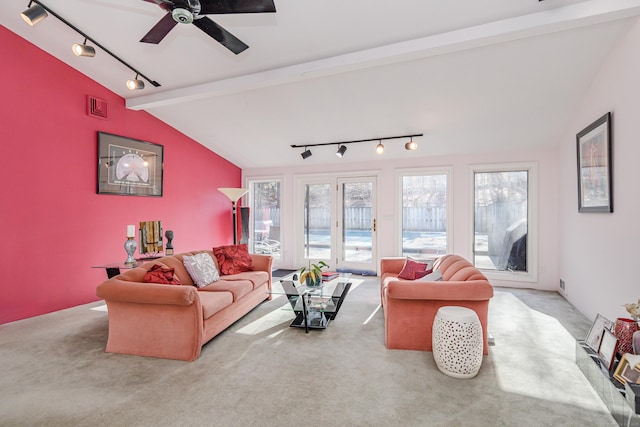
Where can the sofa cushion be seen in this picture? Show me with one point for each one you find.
(238, 288)
(161, 275)
(233, 259)
(258, 278)
(213, 302)
(413, 270)
(201, 269)
(434, 276)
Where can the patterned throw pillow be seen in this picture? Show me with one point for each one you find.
(233, 259)
(201, 268)
(413, 270)
(161, 275)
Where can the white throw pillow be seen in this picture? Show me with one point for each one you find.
(436, 276)
(201, 268)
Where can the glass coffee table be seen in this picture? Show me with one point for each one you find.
(315, 306)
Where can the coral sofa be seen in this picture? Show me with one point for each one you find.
(174, 322)
(410, 306)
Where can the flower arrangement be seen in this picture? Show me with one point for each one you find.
(633, 310)
(312, 275)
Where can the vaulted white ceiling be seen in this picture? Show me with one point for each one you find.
(473, 76)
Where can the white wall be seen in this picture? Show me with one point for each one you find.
(599, 252)
(462, 201)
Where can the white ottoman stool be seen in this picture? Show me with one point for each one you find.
(457, 342)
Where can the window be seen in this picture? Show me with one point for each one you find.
(503, 240)
(265, 211)
(425, 214)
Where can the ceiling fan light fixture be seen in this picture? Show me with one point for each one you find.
(83, 49)
(34, 14)
(306, 153)
(182, 16)
(379, 148)
(135, 84)
(341, 150)
(411, 145)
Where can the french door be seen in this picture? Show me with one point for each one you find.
(338, 222)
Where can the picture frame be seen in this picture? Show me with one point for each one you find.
(607, 350)
(129, 167)
(594, 337)
(595, 167)
(627, 370)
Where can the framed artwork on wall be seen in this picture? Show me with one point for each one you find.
(129, 167)
(594, 166)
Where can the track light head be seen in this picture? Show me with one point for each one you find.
(379, 148)
(411, 145)
(341, 150)
(135, 84)
(306, 153)
(34, 14)
(83, 50)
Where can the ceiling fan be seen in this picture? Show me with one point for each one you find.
(193, 11)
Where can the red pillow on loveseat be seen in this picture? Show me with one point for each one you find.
(233, 259)
(413, 270)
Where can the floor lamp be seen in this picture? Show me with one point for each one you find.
(234, 195)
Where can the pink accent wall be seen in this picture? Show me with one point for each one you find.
(53, 225)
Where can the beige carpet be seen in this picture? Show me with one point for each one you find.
(260, 372)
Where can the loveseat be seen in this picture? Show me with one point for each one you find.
(410, 306)
(175, 321)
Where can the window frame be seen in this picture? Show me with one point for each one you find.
(532, 220)
(250, 183)
(400, 174)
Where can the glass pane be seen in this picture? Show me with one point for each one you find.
(357, 222)
(317, 221)
(501, 220)
(424, 216)
(266, 217)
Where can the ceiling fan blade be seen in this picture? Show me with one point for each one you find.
(214, 30)
(167, 5)
(236, 6)
(160, 30)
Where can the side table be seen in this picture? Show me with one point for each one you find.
(113, 269)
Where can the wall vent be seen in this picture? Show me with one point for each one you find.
(96, 107)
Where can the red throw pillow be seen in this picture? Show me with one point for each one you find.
(161, 275)
(233, 259)
(413, 270)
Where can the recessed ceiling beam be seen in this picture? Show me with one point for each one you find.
(565, 18)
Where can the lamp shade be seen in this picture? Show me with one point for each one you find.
(234, 193)
(34, 14)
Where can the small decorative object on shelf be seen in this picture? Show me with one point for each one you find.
(130, 245)
(312, 275)
(169, 247)
(624, 330)
(633, 310)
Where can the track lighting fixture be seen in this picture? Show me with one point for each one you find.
(83, 49)
(34, 14)
(342, 147)
(411, 145)
(306, 153)
(37, 11)
(135, 84)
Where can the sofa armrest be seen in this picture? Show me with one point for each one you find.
(146, 293)
(472, 290)
(391, 265)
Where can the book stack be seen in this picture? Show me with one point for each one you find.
(329, 275)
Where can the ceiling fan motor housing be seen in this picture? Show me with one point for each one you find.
(182, 16)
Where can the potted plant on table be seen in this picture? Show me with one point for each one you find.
(312, 275)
